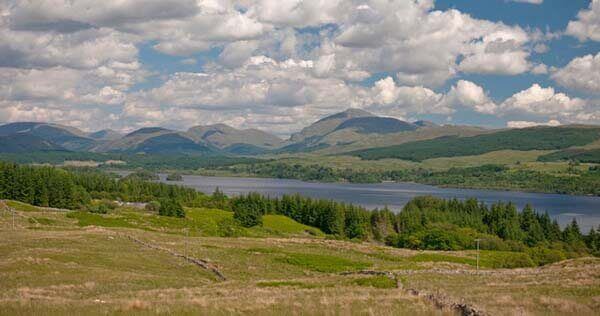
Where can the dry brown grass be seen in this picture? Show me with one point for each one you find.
(69, 270)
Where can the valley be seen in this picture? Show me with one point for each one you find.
(351, 146)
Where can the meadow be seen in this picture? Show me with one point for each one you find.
(57, 262)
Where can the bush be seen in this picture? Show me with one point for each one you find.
(507, 260)
(153, 206)
(170, 207)
(229, 227)
(102, 206)
(542, 256)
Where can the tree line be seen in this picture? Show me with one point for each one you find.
(55, 187)
(430, 223)
(424, 223)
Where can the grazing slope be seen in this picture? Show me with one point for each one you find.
(535, 138)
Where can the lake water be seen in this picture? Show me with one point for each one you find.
(394, 195)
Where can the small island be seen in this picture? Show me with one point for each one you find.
(174, 177)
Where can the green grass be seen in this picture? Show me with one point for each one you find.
(380, 282)
(501, 157)
(322, 263)
(536, 138)
(286, 284)
(436, 257)
(487, 259)
(23, 207)
(198, 222)
(286, 225)
(42, 221)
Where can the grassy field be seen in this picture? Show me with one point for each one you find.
(508, 157)
(56, 263)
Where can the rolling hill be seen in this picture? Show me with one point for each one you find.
(155, 140)
(170, 143)
(326, 125)
(222, 136)
(23, 143)
(356, 129)
(69, 138)
(575, 154)
(534, 138)
(105, 134)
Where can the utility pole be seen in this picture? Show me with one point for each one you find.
(477, 240)
(186, 241)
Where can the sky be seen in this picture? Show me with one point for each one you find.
(279, 65)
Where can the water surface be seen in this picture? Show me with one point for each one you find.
(586, 209)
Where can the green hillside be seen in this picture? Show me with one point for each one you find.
(580, 155)
(25, 143)
(380, 125)
(198, 222)
(172, 143)
(535, 138)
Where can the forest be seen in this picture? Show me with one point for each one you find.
(424, 223)
(486, 177)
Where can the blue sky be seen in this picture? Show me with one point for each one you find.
(280, 65)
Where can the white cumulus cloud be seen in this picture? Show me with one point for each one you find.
(587, 25)
(581, 73)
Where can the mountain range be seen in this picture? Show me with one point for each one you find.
(353, 131)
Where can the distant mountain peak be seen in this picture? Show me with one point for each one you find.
(223, 135)
(147, 130)
(424, 123)
(347, 114)
(328, 124)
(105, 134)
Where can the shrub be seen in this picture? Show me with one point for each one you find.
(508, 260)
(542, 256)
(229, 227)
(153, 206)
(170, 207)
(102, 206)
